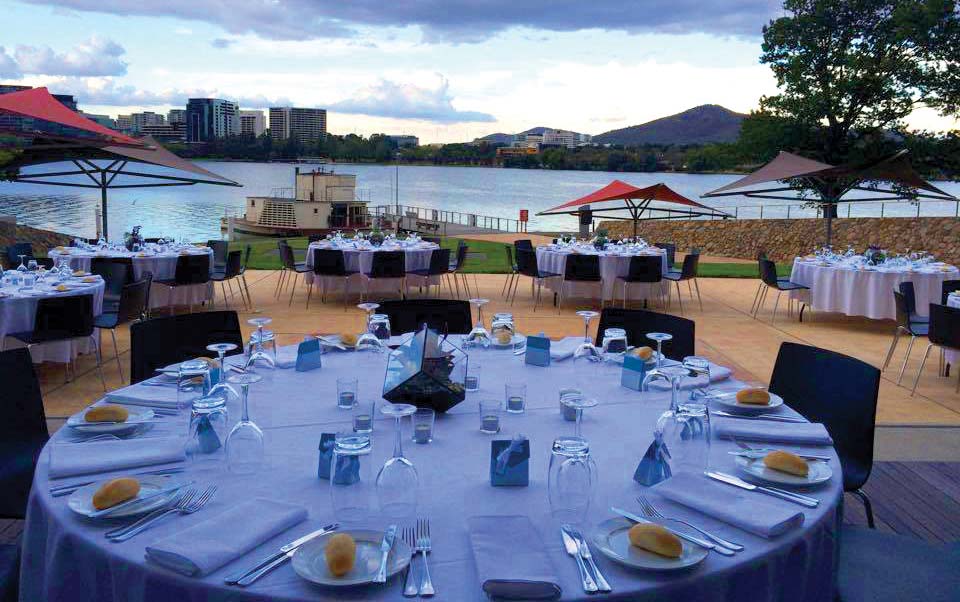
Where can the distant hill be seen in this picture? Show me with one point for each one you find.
(699, 125)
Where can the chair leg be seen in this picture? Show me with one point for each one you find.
(867, 506)
(906, 357)
(309, 293)
(679, 298)
(893, 346)
(103, 381)
(223, 291)
(775, 304)
(697, 288)
(247, 288)
(116, 352)
(293, 289)
(920, 371)
(756, 297)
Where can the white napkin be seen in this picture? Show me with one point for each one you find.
(717, 374)
(203, 548)
(164, 396)
(797, 433)
(512, 562)
(740, 508)
(71, 459)
(564, 348)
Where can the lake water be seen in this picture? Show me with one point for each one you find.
(195, 211)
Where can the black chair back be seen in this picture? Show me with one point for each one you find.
(61, 318)
(523, 243)
(133, 300)
(903, 313)
(192, 269)
(947, 287)
(671, 252)
(158, 342)
(691, 262)
(234, 264)
(117, 272)
(439, 262)
(388, 264)
(246, 258)
(23, 431)
(510, 263)
(768, 272)
(443, 315)
(837, 390)
(329, 262)
(219, 251)
(314, 238)
(582, 268)
(639, 322)
(17, 249)
(944, 326)
(462, 250)
(645, 268)
(909, 293)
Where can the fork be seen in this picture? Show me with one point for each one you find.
(185, 505)
(651, 511)
(747, 447)
(423, 546)
(61, 490)
(410, 585)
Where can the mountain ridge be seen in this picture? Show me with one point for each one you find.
(698, 125)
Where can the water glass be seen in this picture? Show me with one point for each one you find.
(614, 340)
(351, 482)
(489, 416)
(699, 368)
(346, 393)
(687, 435)
(363, 413)
(471, 382)
(515, 397)
(569, 412)
(206, 445)
(423, 420)
(380, 326)
(571, 480)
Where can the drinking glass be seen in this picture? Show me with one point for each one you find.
(698, 367)
(614, 340)
(397, 481)
(350, 473)
(21, 267)
(489, 416)
(221, 385)
(245, 442)
(569, 413)
(188, 373)
(258, 354)
(587, 350)
(515, 397)
(423, 421)
(571, 480)
(471, 382)
(32, 265)
(368, 341)
(578, 403)
(380, 327)
(208, 432)
(659, 337)
(478, 337)
(686, 433)
(363, 413)
(502, 322)
(346, 392)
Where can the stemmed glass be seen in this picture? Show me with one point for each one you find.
(698, 367)
(479, 335)
(397, 481)
(245, 441)
(258, 352)
(32, 265)
(587, 350)
(222, 349)
(21, 267)
(368, 340)
(578, 402)
(659, 337)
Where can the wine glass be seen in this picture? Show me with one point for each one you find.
(578, 402)
(258, 352)
(32, 265)
(245, 441)
(698, 366)
(587, 350)
(368, 340)
(397, 481)
(221, 385)
(479, 335)
(659, 337)
(21, 267)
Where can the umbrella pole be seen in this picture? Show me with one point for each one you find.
(103, 207)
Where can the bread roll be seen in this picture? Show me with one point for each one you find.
(656, 539)
(340, 554)
(115, 492)
(757, 397)
(644, 353)
(349, 340)
(787, 462)
(504, 337)
(107, 413)
(61, 288)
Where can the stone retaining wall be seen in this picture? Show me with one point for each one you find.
(42, 240)
(784, 239)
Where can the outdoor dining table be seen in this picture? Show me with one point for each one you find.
(865, 290)
(359, 258)
(66, 558)
(613, 264)
(162, 264)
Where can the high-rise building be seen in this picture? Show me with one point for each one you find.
(104, 120)
(15, 122)
(403, 140)
(210, 118)
(305, 125)
(562, 138)
(147, 118)
(177, 116)
(252, 123)
(173, 132)
(125, 123)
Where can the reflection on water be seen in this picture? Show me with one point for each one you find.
(195, 211)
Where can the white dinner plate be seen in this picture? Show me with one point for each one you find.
(517, 339)
(612, 540)
(137, 417)
(729, 402)
(820, 472)
(81, 500)
(309, 561)
(174, 369)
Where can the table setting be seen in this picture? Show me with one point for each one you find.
(614, 262)
(381, 472)
(359, 250)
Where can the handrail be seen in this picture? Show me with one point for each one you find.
(443, 216)
(845, 209)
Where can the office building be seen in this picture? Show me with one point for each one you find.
(166, 132)
(125, 123)
(559, 138)
(403, 140)
(177, 116)
(305, 125)
(252, 123)
(104, 120)
(147, 118)
(210, 118)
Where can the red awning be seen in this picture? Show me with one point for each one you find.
(39, 104)
(619, 191)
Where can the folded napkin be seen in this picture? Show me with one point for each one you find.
(164, 396)
(717, 374)
(203, 548)
(512, 562)
(799, 433)
(738, 507)
(564, 348)
(107, 456)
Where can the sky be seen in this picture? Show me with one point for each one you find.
(443, 70)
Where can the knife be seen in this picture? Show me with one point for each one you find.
(128, 503)
(703, 543)
(797, 498)
(589, 585)
(388, 536)
(757, 454)
(603, 586)
(771, 417)
(235, 578)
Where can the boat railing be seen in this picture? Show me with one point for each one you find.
(428, 216)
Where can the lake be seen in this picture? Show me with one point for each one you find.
(195, 211)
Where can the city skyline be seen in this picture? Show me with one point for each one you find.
(442, 78)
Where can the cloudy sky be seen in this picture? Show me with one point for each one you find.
(445, 70)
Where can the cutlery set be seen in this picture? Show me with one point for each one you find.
(576, 546)
(418, 538)
(769, 417)
(62, 490)
(264, 566)
(186, 502)
(797, 498)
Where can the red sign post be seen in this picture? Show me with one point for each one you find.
(524, 218)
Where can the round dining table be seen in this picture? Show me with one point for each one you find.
(18, 309)
(857, 290)
(67, 558)
(161, 263)
(614, 262)
(358, 257)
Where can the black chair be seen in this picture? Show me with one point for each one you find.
(9, 572)
(388, 265)
(944, 332)
(688, 273)
(229, 272)
(904, 325)
(580, 269)
(909, 292)
(159, 342)
(443, 315)
(438, 268)
(23, 431)
(243, 274)
(638, 322)
(874, 566)
(527, 266)
(117, 272)
(132, 306)
(329, 263)
(456, 269)
(314, 238)
(512, 274)
(191, 270)
(671, 250)
(768, 275)
(291, 268)
(14, 252)
(220, 248)
(762, 255)
(523, 243)
(947, 287)
(646, 269)
(62, 319)
(839, 391)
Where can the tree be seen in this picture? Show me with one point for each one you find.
(848, 68)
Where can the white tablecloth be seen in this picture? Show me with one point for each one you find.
(869, 293)
(952, 357)
(612, 265)
(163, 266)
(360, 260)
(68, 559)
(17, 313)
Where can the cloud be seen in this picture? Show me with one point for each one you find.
(222, 43)
(93, 58)
(457, 21)
(107, 92)
(8, 67)
(407, 101)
